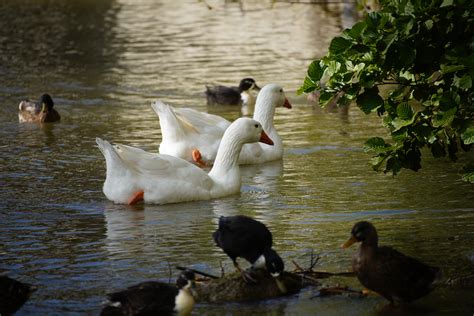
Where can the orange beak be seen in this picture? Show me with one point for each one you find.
(287, 104)
(349, 242)
(265, 139)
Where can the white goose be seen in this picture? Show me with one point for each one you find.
(134, 174)
(195, 136)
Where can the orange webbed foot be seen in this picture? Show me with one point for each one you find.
(197, 157)
(137, 197)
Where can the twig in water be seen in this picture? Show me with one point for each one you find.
(313, 260)
(222, 269)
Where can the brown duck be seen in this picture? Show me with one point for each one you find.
(41, 112)
(395, 276)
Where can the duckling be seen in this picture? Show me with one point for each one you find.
(233, 95)
(13, 294)
(153, 298)
(242, 236)
(395, 276)
(42, 111)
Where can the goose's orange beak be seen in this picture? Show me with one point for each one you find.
(287, 104)
(265, 139)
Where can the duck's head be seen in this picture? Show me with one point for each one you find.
(275, 95)
(46, 103)
(247, 84)
(363, 232)
(249, 130)
(186, 280)
(273, 262)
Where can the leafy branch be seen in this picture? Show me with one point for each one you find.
(412, 63)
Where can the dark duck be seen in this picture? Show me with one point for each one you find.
(13, 294)
(242, 236)
(41, 112)
(393, 275)
(232, 95)
(153, 298)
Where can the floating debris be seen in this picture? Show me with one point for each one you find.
(233, 287)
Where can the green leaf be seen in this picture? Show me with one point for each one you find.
(468, 136)
(465, 82)
(339, 45)
(377, 161)
(393, 164)
(405, 111)
(356, 30)
(467, 173)
(315, 70)
(325, 98)
(468, 177)
(446, 3)
(412, 159)
(449, 100)
(429, 24)
(446, 69)
(369, 100)
(398, 124)
(376, 144)
(442, 119)
(307, 87)
(405, 116)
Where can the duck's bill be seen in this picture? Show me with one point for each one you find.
(265, 139)
(287, 104)
(255, 87)
(349, 242)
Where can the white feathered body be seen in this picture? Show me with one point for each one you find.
(184, 130)
(167, 179)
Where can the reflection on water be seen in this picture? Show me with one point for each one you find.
(104, 62)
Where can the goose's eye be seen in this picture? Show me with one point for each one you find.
(256, 125)
(281, 90)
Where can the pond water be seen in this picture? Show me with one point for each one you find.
(104, 62)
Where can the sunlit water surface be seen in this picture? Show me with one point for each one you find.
(104, 62)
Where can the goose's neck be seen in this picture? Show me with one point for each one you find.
(227, 156)
(264, 112)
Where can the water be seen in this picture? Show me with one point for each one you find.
(104, 63)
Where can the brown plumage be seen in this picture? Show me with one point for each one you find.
(41, 112)
(395, 276)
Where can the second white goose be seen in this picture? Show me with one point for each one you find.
(195, 136)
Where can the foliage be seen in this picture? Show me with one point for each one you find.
(412, 63)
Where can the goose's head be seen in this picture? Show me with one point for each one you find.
(247, 84)
(275, 95)
(46, 103)
(248, 130)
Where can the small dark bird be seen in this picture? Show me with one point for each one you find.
(232, 95)
(242, 236)
(398, 278)
(13, 294)
(153, 298)
(42, 111)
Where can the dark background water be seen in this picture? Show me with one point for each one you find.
(104, 62)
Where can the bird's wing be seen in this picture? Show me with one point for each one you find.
(402, 269)
(162, 166)
(200, 122)
(146, 297)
